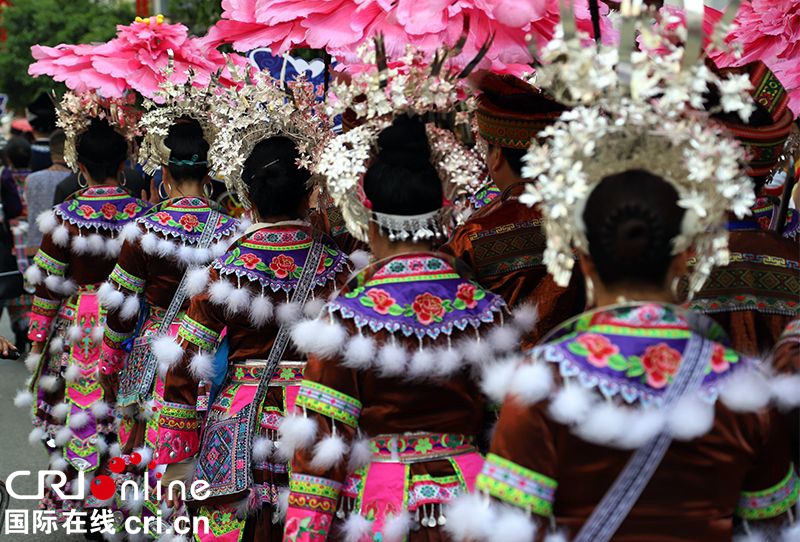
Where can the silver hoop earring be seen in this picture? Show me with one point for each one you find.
(589, 292)
(207, 190)
(124, 180)
(82, 182)
(163, 195)
(675, 289)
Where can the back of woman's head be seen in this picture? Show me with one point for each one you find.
(188, 156)
(402, 180)
(631, 219)
(276, 184)
(101, 150)
(18, 151)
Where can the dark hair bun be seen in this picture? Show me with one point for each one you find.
(277, 185)
(402, 180)
(188, 157)
(101, 149)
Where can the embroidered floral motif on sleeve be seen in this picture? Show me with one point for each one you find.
(771, 502)
(329, 402)
(516, 485)
(313, 493)
(178, 436)
(127, 280)
(197, 334)
(50, 264)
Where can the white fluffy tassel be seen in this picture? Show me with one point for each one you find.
(113, 248)
(196, 281)
(57, 462)
(80, 245)
(34, 275)
(74, 333)
(261, 310)
(296, 433)
(324, 339)
(504, 339)
(23, 399)
(262, 447)
(60, 411)
(68, 287)
(328, 453)
(392, 360)
(313, 308)
(165, 247)
(201, 366)
(130, 308)
(745, 391)
(97, 334)
(36, 436)
(110, 298)
(359, 352)
(531, 383)
(360, 258)
(147, 455)
(54, 283)
(288, 313)
(571, 404)
(642, 427)
(360, 454)
(396, 527)
(48, 382)
(97, 244)
(220, 291)
(56, 345)
(448, 361)
(32, 361)
(167, 352)
(496, 379)
(62, 436)
(78, 420)
(477, 352)
(61, 236)
(100, 410)
(786, 391)
(238, 301)
(606, 423)
(526, 317)
(149, 243)
(513, 525)
(46, 221)
(355, 528)
(422, 364)
(470, 517)
(690, 417)
(73, 373)
(130, 232)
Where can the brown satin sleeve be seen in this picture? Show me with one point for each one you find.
(63, 255)
(134, 261)
(459, 246)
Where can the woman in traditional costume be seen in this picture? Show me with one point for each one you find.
(635, 420)
(82, 238)
(280, 268)
(388, 418)
(145, 294)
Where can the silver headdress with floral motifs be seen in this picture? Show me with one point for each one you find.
(172, 102)
(262, 107)
(638, 110)
(377, 95)
(75, 111)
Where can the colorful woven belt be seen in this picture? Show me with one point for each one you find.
(249, 373)
(418, 447)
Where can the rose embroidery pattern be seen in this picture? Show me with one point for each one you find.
(721, 359)
(426, 308)
(189, 222)
(282, 266)
(660, 363)
(249, 260)
(381, 300)
(597, 349)
(107, 211)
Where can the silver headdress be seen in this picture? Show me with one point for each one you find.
(634, 110)
(74, 114)
(262, 108)
(379, 94)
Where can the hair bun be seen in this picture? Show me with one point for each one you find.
(405, 144)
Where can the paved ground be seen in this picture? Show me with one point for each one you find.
(15, 451)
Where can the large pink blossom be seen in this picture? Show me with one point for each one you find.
(134, 60)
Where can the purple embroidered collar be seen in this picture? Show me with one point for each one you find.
(185, 219)
(101, 208)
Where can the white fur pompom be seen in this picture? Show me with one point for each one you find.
(130, 308)
(558, 536)
(261, 310)
(201, 256)
(238, 301)
(57, 462)
(147, 455)
(130, 232)
(97, 244)
(33, 275)
(56, 345)
(476, 351)
(220, 248)
(167, 352)
(643, 426)
(396, 527)
(283, 503)
(313, 308)
(791, 533)
(296, 433)
(68, 287)
(355, 528)
(262, 448)
(196, 281)
(359, 352)
(513, 525)
(46, 221)
(97, 334)
(149, 243)
(60, 411)
(470, 517)
(531, 383)
(328, 453)
(115, 450)
(606, 423)
(23, 399)
(526, 317)
(100, 410)
(571, 404)
(392, 360)
(360, 454)
(751, 536)
(80, 245)
(185, 254)
(113, 248)
(62, 436)
(690, 417)
(48, 382)
(220, 291)
(496, 378)
(36, 436)
(61, 236)
(288, 313)
(165, 247)
(360, 258)
(422, 365)
(78, 420)
(786, 391)
(73, 373)
(54, 283)
(110, 298)
(318, 337)
(448, 361)
(745, 391)
(201, 366)
(32, 361)
(504, 339)
(74, 333)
